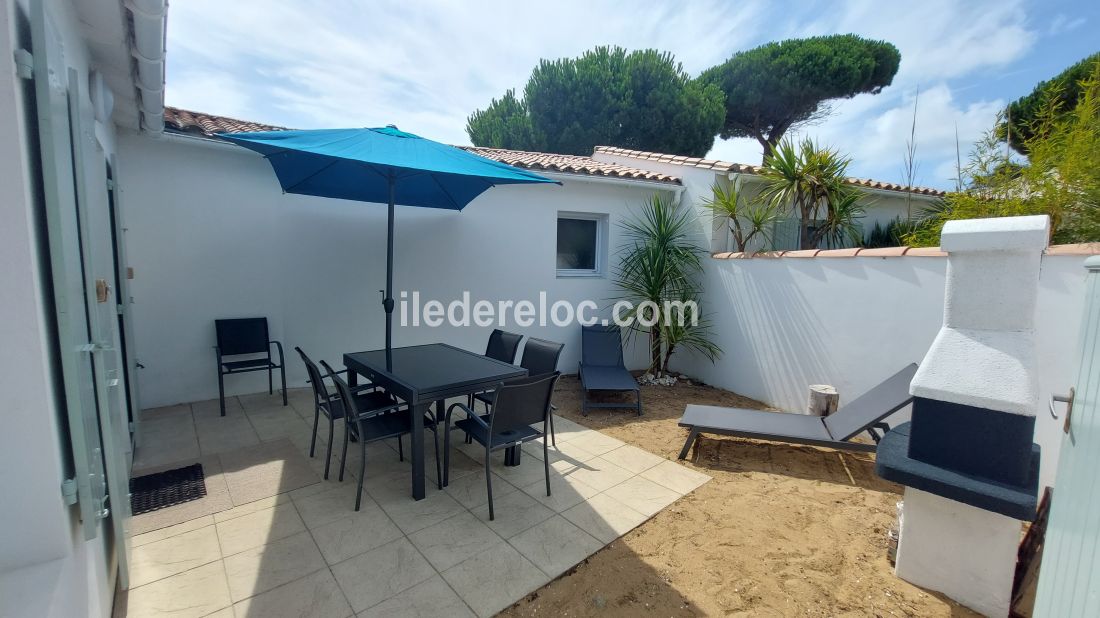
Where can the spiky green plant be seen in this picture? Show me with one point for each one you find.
(660, 263)
(747, 218)
(812, 180)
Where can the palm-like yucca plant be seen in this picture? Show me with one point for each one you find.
(660, 263)
(812, 180)
(747, 218)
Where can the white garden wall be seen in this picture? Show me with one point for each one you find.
(787, 322)
(211, 235)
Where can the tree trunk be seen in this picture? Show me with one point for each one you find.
(823, 400)
(655, 350)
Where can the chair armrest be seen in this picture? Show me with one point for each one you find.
(376, 411)
(278, 345)
(469, 413)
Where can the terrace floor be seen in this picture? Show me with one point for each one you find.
(271, 538)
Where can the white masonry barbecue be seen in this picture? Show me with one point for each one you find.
(967, 458)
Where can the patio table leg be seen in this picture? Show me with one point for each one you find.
(417, 440)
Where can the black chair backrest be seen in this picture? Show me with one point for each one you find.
(521, 402)
(503, 345)
(242, 336)
(540, 356)
(602, 346)
(891, 395)
(316, 379)
(351, 407)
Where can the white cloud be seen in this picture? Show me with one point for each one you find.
(426, 67)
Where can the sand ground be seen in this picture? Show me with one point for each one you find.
(779, 531)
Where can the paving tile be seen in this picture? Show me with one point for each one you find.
(163, 533)
(182, 410)
(272, 425)
(529, 471)
(597, 473)
(453, 540)
(263, 568)
(568, 452)
(372, 577)
(191, 594)
(258, 528)
(172, 555)
(604, 517)
(251, 507)
(209, 409)
(514, 512)
(315, 596)
(412, 515)
(680, 479)
(257, 401)
(564, 492)
(350, 536)
(334, 504)
(565, 430)
(596, 442)
(555, 545)
(633, 458)
(265, 470)
(470, 490)
(643, 495)
(220, 435)
(494, 579)
(430, 599)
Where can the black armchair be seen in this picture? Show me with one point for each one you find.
(540, 357)
(516, 406)
(246, 337)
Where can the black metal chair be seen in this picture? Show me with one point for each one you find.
(332, 406)
(502, 346)
(246, 337)
(373, 424)
(514, 408)
(540, 357)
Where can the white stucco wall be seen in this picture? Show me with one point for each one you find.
(851, 322)
(46, 566)
(211, 235)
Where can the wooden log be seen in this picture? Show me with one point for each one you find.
(823, 400)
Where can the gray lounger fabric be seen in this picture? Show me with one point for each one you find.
(834, 431)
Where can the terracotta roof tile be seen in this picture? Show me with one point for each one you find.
(725, 166)
(207, 124)
(185, 121)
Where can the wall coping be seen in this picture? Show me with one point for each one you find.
(1086, 248)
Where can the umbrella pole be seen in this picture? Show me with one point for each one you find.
(387, 303)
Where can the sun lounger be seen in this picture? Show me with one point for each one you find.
(602, 368)
(865, 413)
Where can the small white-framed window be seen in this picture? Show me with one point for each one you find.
(582, 244)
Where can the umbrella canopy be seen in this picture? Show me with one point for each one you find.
(358, 164)
(382, 165)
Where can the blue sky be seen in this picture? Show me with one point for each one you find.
(425, 66)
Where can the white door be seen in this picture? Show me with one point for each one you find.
(79, 232)
(1069, 578)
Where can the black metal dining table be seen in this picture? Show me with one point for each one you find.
(423, 375)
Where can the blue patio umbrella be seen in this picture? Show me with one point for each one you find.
(383, 165)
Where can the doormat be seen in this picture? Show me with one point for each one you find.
(169, 488)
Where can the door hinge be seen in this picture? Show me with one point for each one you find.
(68, 491)
(110, 184)
(119, 309)
(24, 64)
